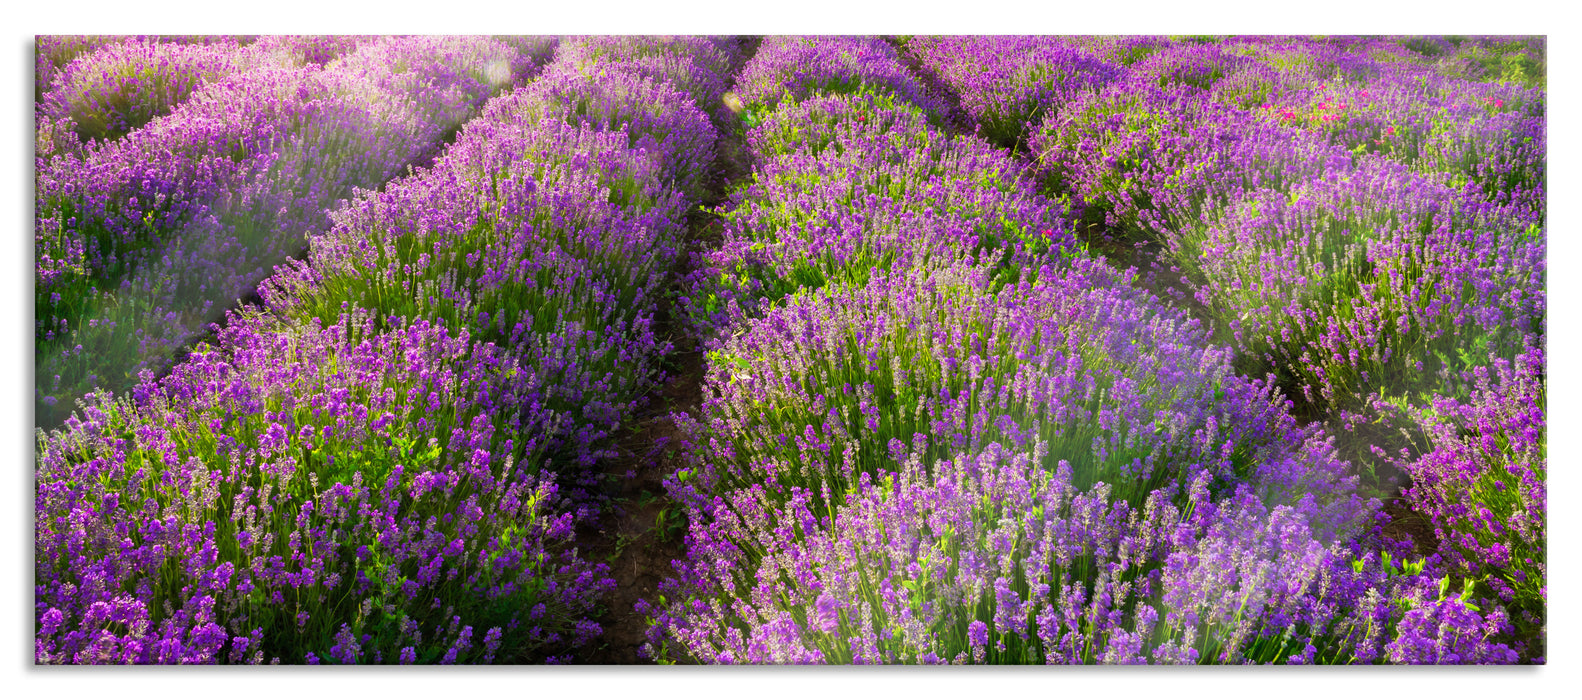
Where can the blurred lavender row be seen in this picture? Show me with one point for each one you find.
(143, 241)
(108, 92)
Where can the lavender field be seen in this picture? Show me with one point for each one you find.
(781, 350)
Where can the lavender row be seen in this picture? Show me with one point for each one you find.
(792, 68)
(53, 52)
(121, 86)
(547, 228)
(698, 66)
(849, 439)
(324, 494)
(1406, 262)
(557, 210)
(431, 382)
(991, 557)
(850, 176)
(143, 240)
(842, 383)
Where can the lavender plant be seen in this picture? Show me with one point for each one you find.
(122, 86)
(698, 65)
(545, 238)
(847, 185)
(332, 494)
(1007, 84)
(109, 92)
(1148, 159)
(657, 116)
(1380, 282)
(788, 68)
(51, 52)
(1482, 482)
(840, 382)
(991, 557)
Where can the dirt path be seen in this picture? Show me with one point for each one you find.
(643, 531)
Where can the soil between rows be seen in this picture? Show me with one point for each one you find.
(644, 529)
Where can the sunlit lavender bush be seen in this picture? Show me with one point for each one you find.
(1149, 159)
(1008, 84)
(655, 113)
(841, 382)
(1378, 282)
(548, 239)
(698, 65)
(992, 557)
(846, 185)
(120, 87)
(338, 494)
(795, 68)
(1484, 485)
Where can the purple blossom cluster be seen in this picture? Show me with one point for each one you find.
(658, 116)
(292, 487)
(121, 86)
(844, 185)
(1146, 157)
(697, 65)
(1437, 260)
(549, 238)
(1378, 279)
(1483, 484)
(142, 241)
(842, 381)
(994, 557)
(1007, 84)
(53, 52)
(798, 67)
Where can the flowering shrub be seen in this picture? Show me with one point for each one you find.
(549, 239)
(990, 557)
(838, 382)
(338, 493)
(1152, 159)
(657, 115)
(1378, 282)
(120, 87)
(1008, 84)
(467, 390)
(1484, 485)
(846, 185)
(790, 68)
(697, 65)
